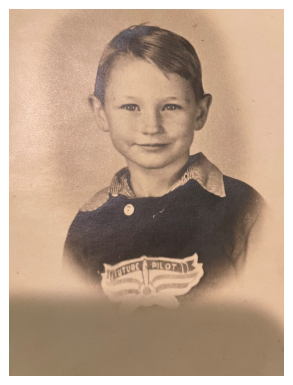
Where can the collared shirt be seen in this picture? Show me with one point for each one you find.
(198, 168)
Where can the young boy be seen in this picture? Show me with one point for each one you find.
(170, 223)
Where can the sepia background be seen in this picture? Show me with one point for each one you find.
(59, 159)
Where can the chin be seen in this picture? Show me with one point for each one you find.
(153, 163)
(151, 166)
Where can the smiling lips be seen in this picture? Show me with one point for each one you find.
(151, 145)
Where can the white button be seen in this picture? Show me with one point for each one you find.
(128, 210)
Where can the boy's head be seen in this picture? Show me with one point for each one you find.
(149, 96)
(169, 51)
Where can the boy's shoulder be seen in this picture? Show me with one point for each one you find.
(237, 190)
(119, 183)
(245, 205)
(97, 200)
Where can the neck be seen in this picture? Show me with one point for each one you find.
(155, 182)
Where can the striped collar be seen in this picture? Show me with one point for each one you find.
(198, 168)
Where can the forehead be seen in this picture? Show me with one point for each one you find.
(141, 78)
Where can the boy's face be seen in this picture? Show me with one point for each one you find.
(151, 116)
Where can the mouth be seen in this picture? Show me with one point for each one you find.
(153, 145)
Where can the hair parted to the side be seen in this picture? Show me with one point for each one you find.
(169, 51)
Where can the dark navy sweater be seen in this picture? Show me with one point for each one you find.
(185, 221)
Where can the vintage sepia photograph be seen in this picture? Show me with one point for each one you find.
(146, 192)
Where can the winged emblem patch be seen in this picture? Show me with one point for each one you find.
(148, 281)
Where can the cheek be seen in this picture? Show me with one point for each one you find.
(120, 127)
(179, 125)
(120, 143)
(121, 134)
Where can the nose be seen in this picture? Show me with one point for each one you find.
(152, 122)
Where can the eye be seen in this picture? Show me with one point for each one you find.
(171, 107)
(130, 107)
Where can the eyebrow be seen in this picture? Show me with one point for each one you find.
(176, 98)
(130, 97)
(168, 98)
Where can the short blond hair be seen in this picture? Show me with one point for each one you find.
(170, 52)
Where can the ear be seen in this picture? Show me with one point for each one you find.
(99, 113)
(202, 111)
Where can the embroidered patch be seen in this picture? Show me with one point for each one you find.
(148, 281)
